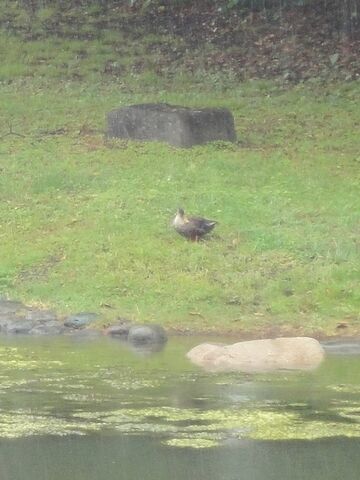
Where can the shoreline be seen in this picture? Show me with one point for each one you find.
(272, 332)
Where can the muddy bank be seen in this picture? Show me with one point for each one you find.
(18, 318)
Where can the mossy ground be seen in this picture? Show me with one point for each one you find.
(85, 222)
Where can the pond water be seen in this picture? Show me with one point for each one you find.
(77, 408)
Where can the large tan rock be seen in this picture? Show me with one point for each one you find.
(297, 353)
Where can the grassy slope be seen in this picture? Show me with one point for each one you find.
(85, 223)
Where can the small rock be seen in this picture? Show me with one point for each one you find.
(81, 320)
(121, 330)
(4, 322)
(53, 327)
(146, 334)
(19, 327)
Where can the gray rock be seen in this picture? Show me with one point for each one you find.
(17, 318)
(5, 321)
(52, 327)
(40, 316)
(297, 353)
(121, 330)
(81, 320)
(179, 126)
(21, 327)
(30, 321)
(146, 334)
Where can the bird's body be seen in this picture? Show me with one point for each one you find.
(193, 228)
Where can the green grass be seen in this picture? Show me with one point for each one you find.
(85, 223)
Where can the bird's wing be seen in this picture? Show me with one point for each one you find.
(191, 228)
(200, 222)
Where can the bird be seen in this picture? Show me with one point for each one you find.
(193, 228)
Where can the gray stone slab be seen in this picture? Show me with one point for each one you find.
(178, 126)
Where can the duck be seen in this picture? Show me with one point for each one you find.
(193, 228)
